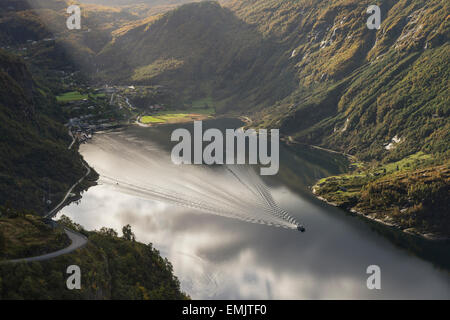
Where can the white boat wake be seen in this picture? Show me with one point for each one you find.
(138, 168)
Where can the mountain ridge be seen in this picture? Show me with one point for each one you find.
(310, 68)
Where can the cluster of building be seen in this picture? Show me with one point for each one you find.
(82, 124)
(84, 127)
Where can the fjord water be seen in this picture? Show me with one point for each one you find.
(224, 244)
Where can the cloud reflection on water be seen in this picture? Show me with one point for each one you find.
(217, 257)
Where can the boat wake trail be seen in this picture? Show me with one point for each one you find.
(141, 169)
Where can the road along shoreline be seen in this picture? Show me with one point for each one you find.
(77, 239)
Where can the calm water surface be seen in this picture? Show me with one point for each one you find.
(220, 256)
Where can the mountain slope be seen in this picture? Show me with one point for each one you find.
(33, 146)
(310, 67)
(313, 69)
(360, 88)
(201, 49)
(105, 262)
(382, 96)
(132, 2)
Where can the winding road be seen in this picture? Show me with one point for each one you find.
(77, 240)
(54, 211)
(73, 139)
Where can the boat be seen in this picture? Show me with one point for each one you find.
(301, 228)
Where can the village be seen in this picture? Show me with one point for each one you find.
(90, 110)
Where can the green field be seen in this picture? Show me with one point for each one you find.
(71, 96)
(76, 96)
(151, 119)
(365, 172)
(177, 115)
(163, 118)
(408, 163)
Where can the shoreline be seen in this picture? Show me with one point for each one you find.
(426, 236)
(289, 142)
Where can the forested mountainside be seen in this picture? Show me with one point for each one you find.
(113, 267)
(18, 23)
(199, 50)
(312, 68)
(33, 144)
(380, 95)
(131, 2)
(359, 88)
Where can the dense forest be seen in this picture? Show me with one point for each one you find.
(112, 267)
(35, 160)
